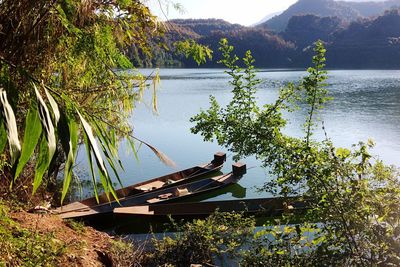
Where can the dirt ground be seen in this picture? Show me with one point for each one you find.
(86, 247)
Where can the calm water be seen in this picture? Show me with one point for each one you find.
(365, 105)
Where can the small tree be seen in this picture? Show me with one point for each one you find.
(353, 215)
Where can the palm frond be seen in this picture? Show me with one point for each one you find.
(42, 163)
(3, 137)
(11, 125)
(32, 133)
(47, 124)
(54, 106)
(93, 143)
(71, 143)
(93, 146)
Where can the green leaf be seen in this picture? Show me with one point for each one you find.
(45, 118)
(280, 252)
(92, 146)
(107, 140)
(90, 162)
(3, 137)
(189, 48)
(342, 153)
(42, 164)
(72, 148)
(97, 155)
(133, 147)
(53, 105)
(32, 134)
(11, 125)
(109, 148)
(111, 163)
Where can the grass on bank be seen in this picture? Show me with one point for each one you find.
(46, 240)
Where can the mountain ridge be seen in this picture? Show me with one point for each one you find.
(372, 42)
(347, 11)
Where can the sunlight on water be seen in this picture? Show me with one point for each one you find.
(365, 105)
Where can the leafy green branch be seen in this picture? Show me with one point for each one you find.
(191, 49)
(353, 213)
(65, 76)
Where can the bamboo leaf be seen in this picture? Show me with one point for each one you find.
(3, 137)
(112, 165)
(97, 155)
(42, 164)
(107, 140)
(113, 138)
(110, 159)
(93, 144)
(32, 134)
(90, 162)
(109, 149)
(47, 124)
(72, 148)
(11, 125)
(63, 131)
(133, 147)
(54, 106)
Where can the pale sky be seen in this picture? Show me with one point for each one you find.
(245, 12)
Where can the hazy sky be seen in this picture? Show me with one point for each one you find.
(245, 12)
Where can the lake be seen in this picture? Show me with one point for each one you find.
(365, 105)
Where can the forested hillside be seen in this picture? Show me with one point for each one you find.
(347, 11)
(353, 40)
(205, 27)
(368, 44)
(304, 30)
(267, 48)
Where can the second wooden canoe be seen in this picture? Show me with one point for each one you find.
(152, 185)
(259, 206)
(165, 195)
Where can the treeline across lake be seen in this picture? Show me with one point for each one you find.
(372, 42)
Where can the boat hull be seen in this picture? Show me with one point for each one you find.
(264, 206)
(167, 195)
(143, 188)
(156, 218)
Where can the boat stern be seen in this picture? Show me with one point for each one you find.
(239, 169)
(219, 158)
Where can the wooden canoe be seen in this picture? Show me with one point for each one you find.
(165, 195)
(153, 185)
(179, 193)
(262, 206)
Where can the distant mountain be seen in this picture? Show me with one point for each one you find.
(371, 32)
(304, 30)
(347, 11)
(267, 48)
(372, 8)
(265, 45)
(205, 27)
(370, 43)
(267, 17)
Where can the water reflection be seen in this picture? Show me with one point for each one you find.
(365, 106)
